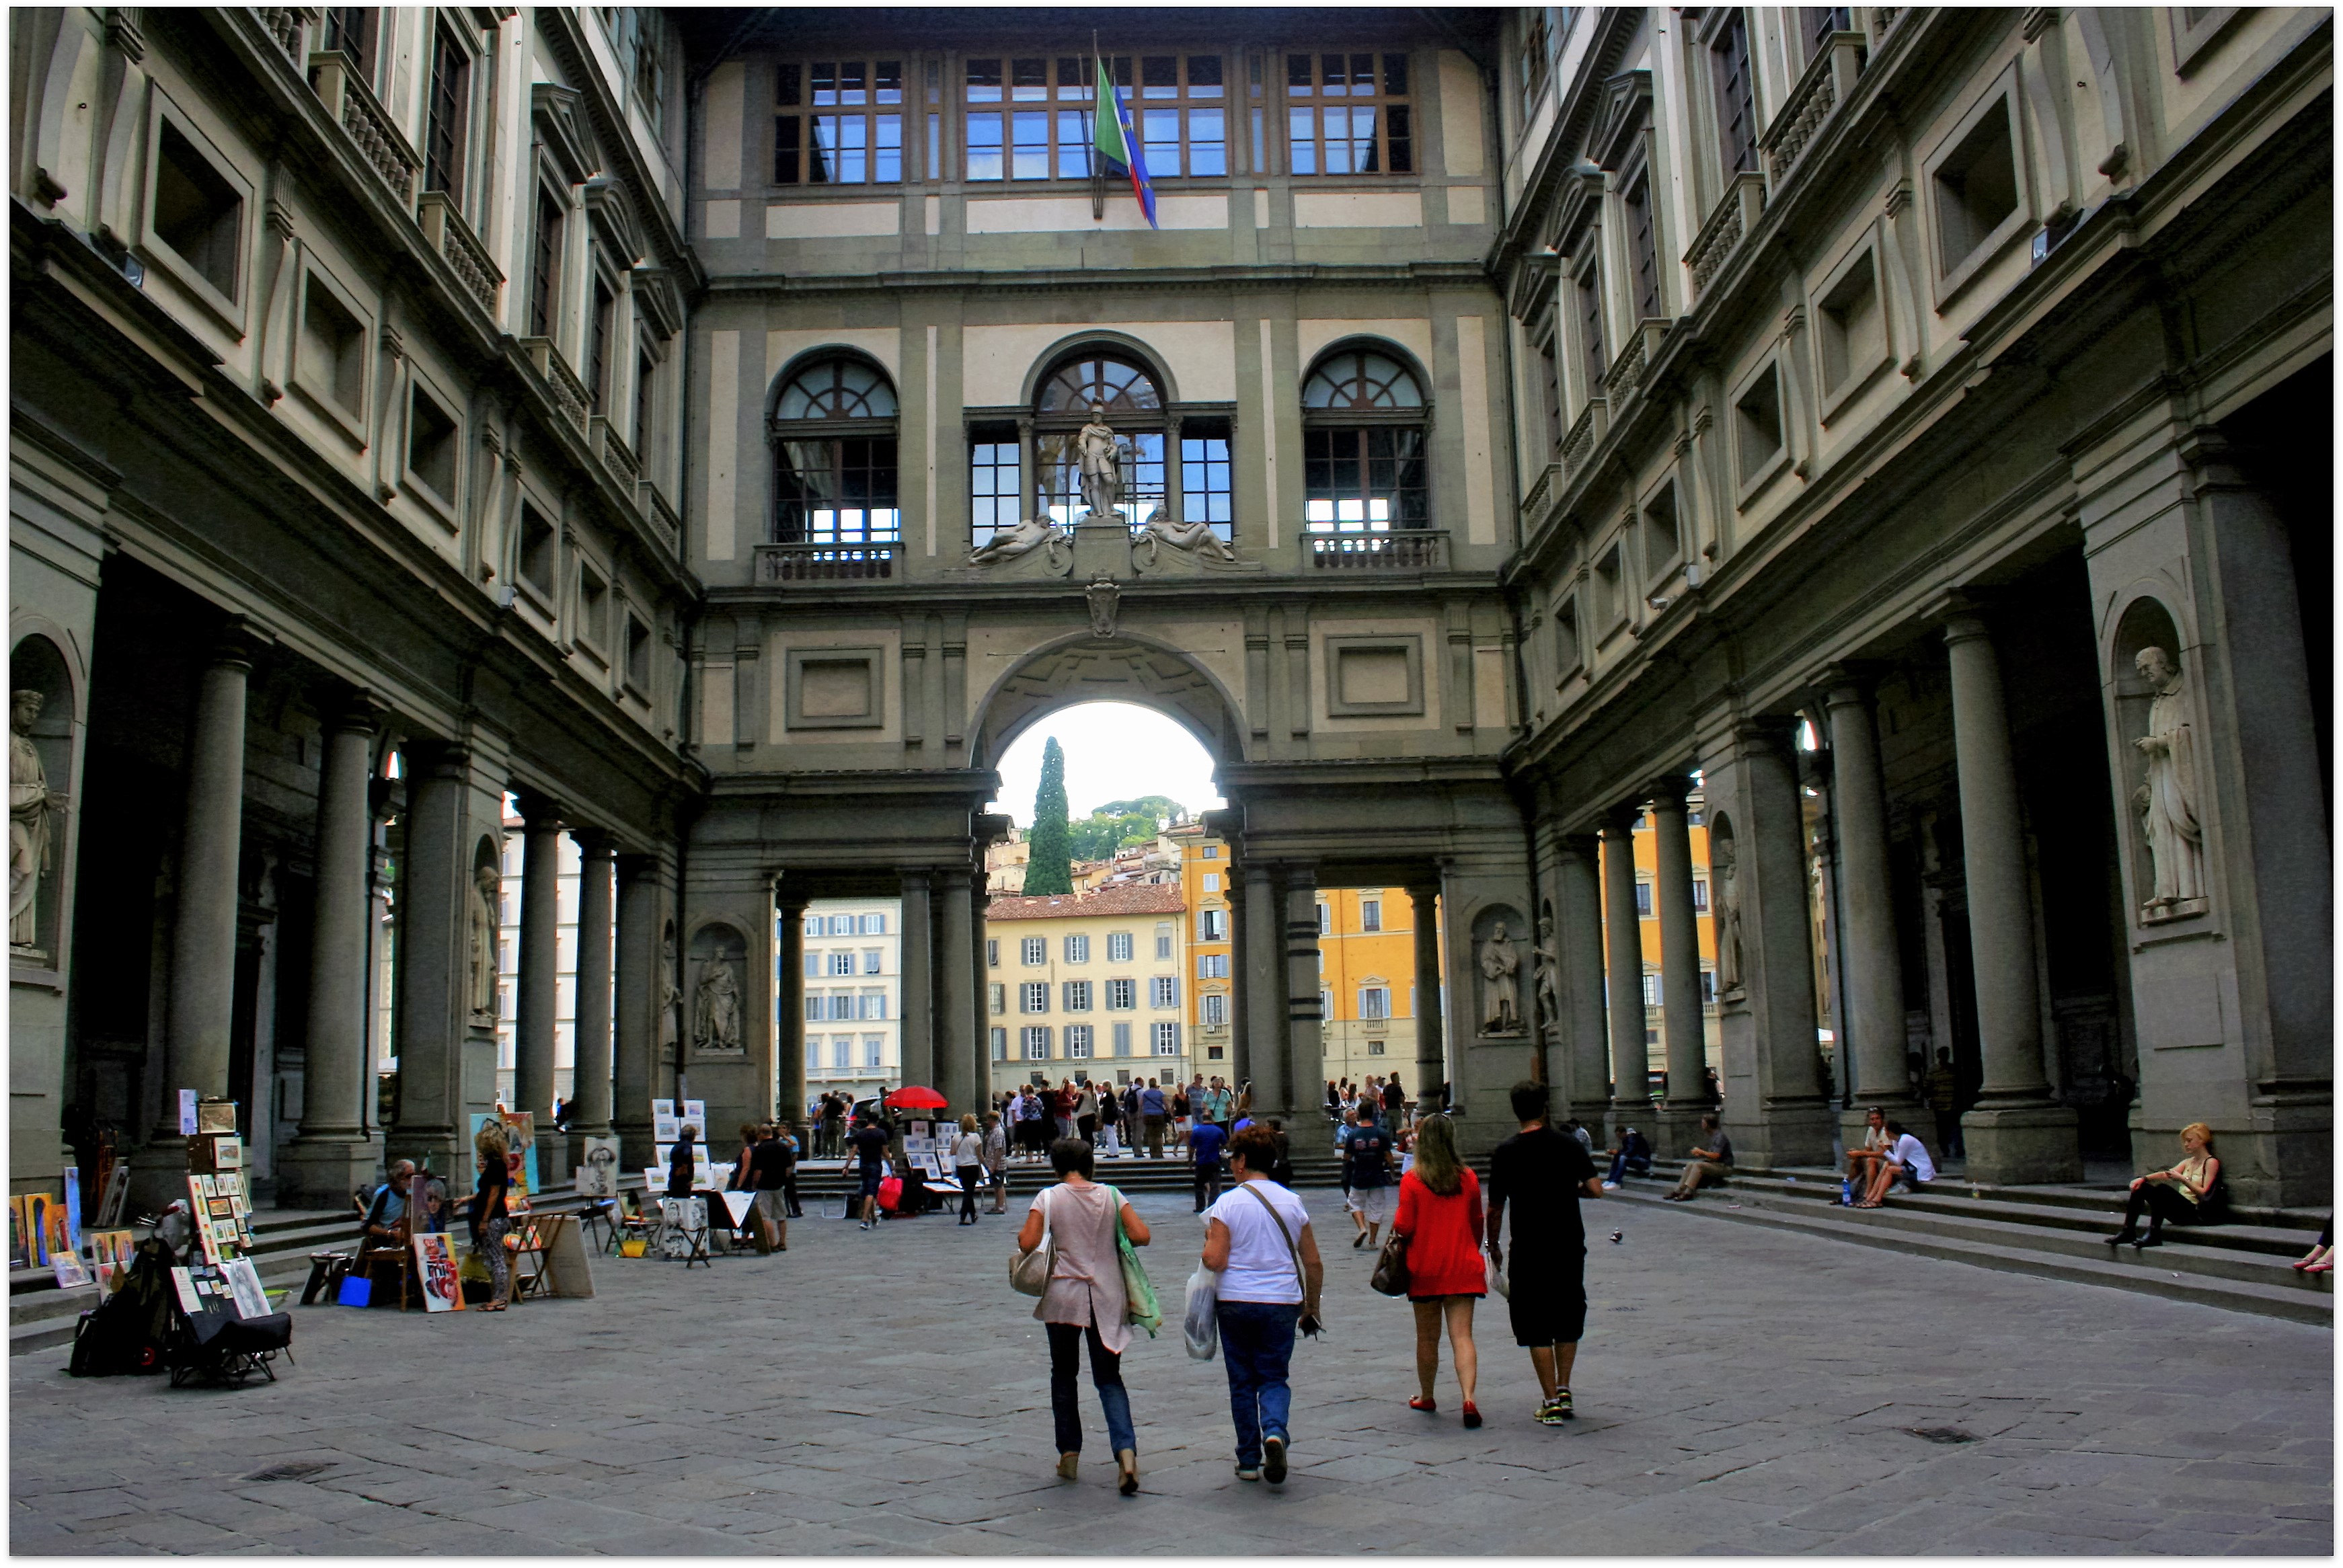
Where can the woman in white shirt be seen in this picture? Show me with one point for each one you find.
(968, 1166)
(1905, 1159)
(1257, 1238)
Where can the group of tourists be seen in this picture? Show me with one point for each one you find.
(1448, 1235)
(1141, 1114)
(1343, 1099)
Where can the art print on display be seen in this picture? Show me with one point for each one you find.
(244, 1288)
(68, 1269)
(665, 1127)
(32, 1212)
(434, 1268)
(520, 1144)
(598, 1176)
(112, 1252)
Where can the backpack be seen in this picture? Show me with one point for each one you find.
(125, 1333)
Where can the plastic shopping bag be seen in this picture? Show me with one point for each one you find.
(1495, 1276)
(1200, 1324)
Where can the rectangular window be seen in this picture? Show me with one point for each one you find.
(1077, 1041)
(1700, 895)
(1212, 881)
(997, 998)
(1033, 996)
(1736, 108)
(992, 952)
(874, 1004)
(874, 1049)
(841, 1049)
(1216, 1010)
(841, 1004)
(1325, 918)
(1644, 900)
(1651, 990)
(1209, 852)
(1076, 997)
(1035, 951)
(1167, 1039)
(1371, 914)
(874, 925)
(1550, 369)
(1707, 988)
(1643, 250)
(838, 122)
(871, 961)
(1211, 966)
(1122, 1040)
(1211, 925)
(995, 479)
(1326, 1005)
(1163, 990)
(842, 925)
(815, 1010)
(1122, 995)
(813, 925)
(1078, 950)
(645, 403)
(842, 963)
(544, 266)
(1345, 118)
(813, 962)
(350, 30)
(443, 134)
(1118, 947)
(1364, 480)
(1028, 118)
(1037, 1042)
(1001, 1045)
(1181, 118)
(1162, 939)
(1375, 1001)
(1590, 325)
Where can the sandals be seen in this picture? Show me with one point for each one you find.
(1418, 1402)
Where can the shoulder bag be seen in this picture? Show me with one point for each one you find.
(1029, 1272)
(1391, 1276)
(1140, 1306)
(1311, 1322)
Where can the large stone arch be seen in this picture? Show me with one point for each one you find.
(1145, 671)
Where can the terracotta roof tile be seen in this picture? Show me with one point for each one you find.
(1121, 898)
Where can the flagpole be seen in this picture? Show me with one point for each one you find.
(1097, 171)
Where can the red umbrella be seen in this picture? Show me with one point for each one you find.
(914, 1097)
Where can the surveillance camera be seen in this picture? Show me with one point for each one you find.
(1659, 602)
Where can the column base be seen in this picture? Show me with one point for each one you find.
(2282, 1158)
(1796, 1133)
(554, 1166)
(322, 1171)
(1855, 1121)
(2021, 1144)
(636, 1150)
(159, 1175)
(1677, 1128)
(1621, 1114)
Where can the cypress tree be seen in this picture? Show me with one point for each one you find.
(1050, 867)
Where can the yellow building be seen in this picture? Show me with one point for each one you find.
(1211, 955)
(1647, 908)
(1088, 986)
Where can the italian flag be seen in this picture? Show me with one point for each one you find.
(1118, 141)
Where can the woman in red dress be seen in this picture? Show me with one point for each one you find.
(1440, 1215)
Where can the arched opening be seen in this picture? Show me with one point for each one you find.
(831, 426)
(1363, 416)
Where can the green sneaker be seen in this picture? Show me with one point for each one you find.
(1562, 1403)
(1549, 1413)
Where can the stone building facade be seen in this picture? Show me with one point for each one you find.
(727, 431)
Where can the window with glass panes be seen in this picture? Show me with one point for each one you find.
(1078, 950)
(1118, 947)
(443, 133)
(838, 122)
(1167, 1039)
(1122, 995)
(1536, 40)
(1037, 1042)
(834, 473)
(646, 402)
(1033, 996)
(1589, 283)
(1077, 1041)
(1133, 406)
(603, 321)
(1363, 446)
(1034, 951)
(1183, 123)
(544, 264)
(1076, 997)
(1736, 109)
(1819, 21)
(1644, 249)
(1348, 113)
(1207, 492)
(1028, 117)
(995, 479)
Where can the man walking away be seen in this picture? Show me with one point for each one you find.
(1712, 1163)
(870, 1147)
(1152, 1111)
(769, 1175)
(1541, 1173)
(1368, 1160)
(1206, 1143)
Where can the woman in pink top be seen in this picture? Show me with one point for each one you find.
(1085, 1301)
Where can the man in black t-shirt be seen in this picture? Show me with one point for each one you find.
(870, 1143)
(769, 1173)
(1368, 1158)
(1541, 1173)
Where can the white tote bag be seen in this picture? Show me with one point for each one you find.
(1200, 1325)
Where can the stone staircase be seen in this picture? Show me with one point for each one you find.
(2052, 1232)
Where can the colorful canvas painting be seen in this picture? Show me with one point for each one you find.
(520, 1143)
(434, 1267)
(665, 1127)
(112, 1252)
(32, 1212)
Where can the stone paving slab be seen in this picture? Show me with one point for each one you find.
(882, 1393)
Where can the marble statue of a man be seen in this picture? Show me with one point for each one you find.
(1548, 962)
(1100, 452)
(486, 895)
(2176, 839)
(29, 806)
(716, 1023)
(1501, 968)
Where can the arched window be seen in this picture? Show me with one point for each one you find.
(1134, 407)
(833, 438)
(1362, 415)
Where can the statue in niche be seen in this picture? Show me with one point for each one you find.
(1724, 901)
(1546, 958)
(1190, 538)
(2176, 839)
(1022, 539)
(30, 803)
(671, 996)
(1500, 970)
(481, 958)
(716, 1011)
(1099, 451)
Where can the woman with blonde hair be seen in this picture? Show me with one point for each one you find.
(490, 1217)
(967, 1165)
(2184, 1195)
(1440, 1219)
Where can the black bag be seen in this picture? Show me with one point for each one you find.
(125, 1333)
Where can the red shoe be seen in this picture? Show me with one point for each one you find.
(1472, 1414)
(1423, 1404)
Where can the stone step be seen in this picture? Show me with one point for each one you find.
(2097, 1199)
(2020, 1249)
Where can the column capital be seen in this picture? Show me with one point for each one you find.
(920, 874)
(356, 711)
(239, 641)
(1587, 844)
(1620, 820)
(1961, 614)
(955, 876)
(1424, 893)
(1844, 681)
(1670, 789)
(1771, 734)
(790, 902)
(539, 813)
(596, 843)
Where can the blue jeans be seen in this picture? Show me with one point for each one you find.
(1256, 1344)
(1106, 1374)
(1622, 1167)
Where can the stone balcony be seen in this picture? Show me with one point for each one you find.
(826, 563)
(1408, 550)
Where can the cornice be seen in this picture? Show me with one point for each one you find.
(1215, 279)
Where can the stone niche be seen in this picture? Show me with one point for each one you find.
(717, 1004)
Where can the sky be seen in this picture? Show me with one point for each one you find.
(1114, 752)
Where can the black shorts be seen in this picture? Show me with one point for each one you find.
(870, 1179)
(1547, 1307)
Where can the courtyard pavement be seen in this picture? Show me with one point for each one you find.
(1740, 1390)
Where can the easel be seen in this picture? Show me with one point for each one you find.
(528, 1244)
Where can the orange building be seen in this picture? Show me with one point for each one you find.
(1646, 906)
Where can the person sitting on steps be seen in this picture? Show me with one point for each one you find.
(2184, 1195)
(1711, 1164)
(1633, 1156)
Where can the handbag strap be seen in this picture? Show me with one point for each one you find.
(1291, 1250)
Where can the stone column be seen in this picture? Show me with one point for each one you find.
(590, 1076)
(335, 1153)
(201, 1002)
(1430, 1031)
(1239, 1064)
(979, 977)
(917, 1028)
(1631, 1099)
(1683, 1029)
(635, 983)
(1871, 969)
(1578, 917)
(2017, 1132)
(1305, 1017)
(1275, 1088)
(433, 968)
(538, 988)
(1787, 1121)
(789, 1065)
(956, 1051)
